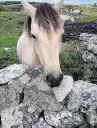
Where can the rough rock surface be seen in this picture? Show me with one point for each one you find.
(83, 98)
(11, 72)
(64, 88)
(88, 48)
(23, 104)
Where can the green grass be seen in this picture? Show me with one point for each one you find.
(88, 13)
(72, 64)
(15, 7)
(11, 27)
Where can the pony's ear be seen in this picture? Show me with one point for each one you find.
(58, 5)
(30, 10)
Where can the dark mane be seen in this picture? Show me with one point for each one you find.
(27, 25)
(45, 16)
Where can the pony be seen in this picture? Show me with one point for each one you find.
(40, 43)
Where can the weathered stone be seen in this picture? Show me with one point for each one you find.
(44, 99)
(83, 98)
(25, 78)
(64, 88)
(87, 47)
(12, 117)
(92, 117)
(11, 72)
(92, 48)
(25, 116)
(39, 82)
(9, 94)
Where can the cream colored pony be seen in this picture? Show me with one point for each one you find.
(40, 43)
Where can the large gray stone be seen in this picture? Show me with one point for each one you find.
(11, 72)
(64, 88)
(9, 93)
(83, 98)
(26, 116)
(87, 47)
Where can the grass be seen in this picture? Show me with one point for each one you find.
(72, 64)
(88, 13)
(15, 7)
(11, 27)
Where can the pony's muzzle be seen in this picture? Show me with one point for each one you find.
(52, 81)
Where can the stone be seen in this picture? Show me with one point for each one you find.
(63, 90)
(45, 99)
(12, 117)
(26, 116)
(92, 117)
(83, 98)
(25, 78)
(87, 47)
(9, 94)
(39, 82)
(11, 72)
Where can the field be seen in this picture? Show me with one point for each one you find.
(88, 12)
(11, 27)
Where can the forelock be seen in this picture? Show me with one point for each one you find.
(46, 16)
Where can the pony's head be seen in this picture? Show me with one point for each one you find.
(45, 29)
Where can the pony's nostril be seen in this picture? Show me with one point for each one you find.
(60, 77)
(52, 81)
(49, 78)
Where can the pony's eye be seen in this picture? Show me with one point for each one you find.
(33, 36)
